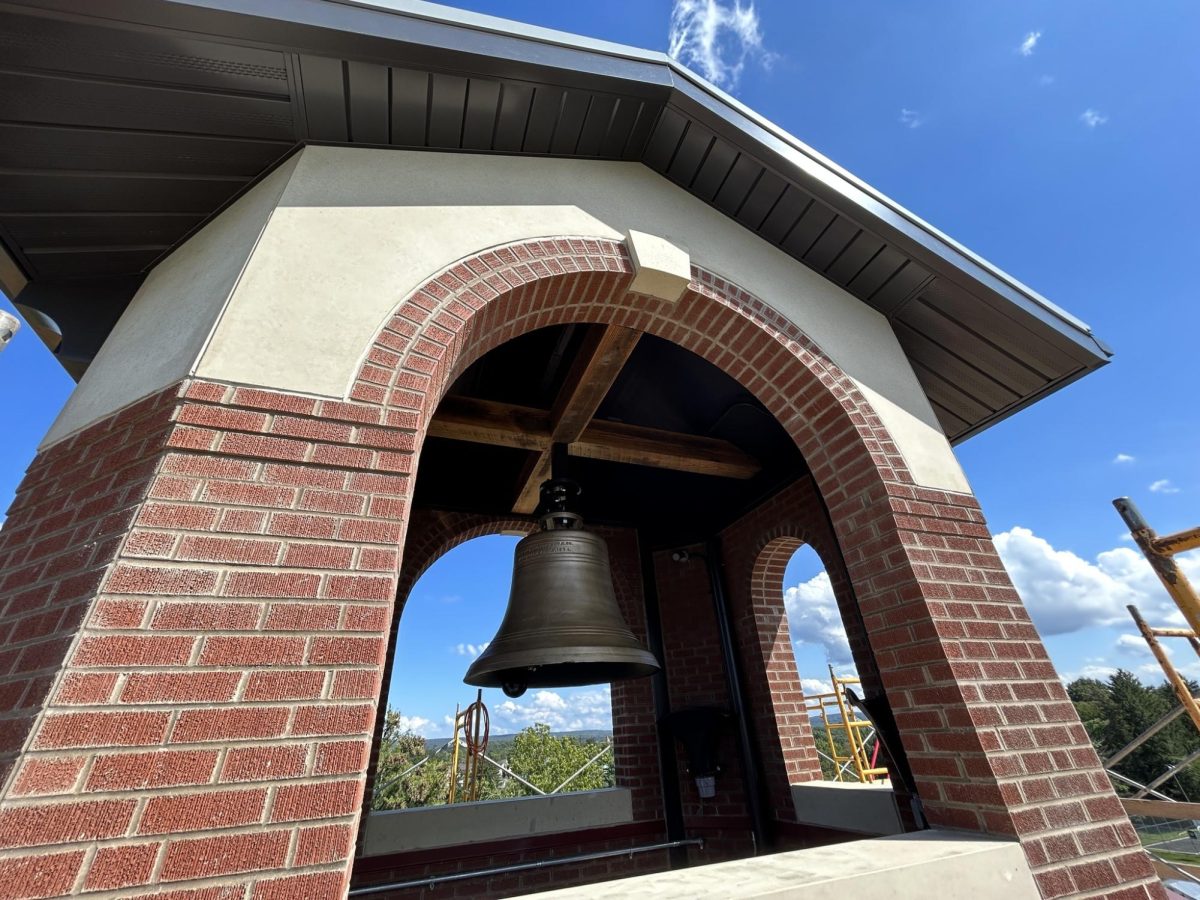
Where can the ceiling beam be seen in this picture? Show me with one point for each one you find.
(508, 425)
(592, 374)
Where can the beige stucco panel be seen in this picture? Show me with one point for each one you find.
(159, 337)
(358, 229)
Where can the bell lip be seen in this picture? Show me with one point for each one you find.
(490, 670)
(498, 678)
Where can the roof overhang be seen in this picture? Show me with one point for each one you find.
(126, 124)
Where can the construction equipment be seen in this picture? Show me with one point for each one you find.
(1160, 552)
(474, 726)
(859, 765)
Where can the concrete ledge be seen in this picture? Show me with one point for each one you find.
(913, 866)
(400, 830)
(847, 806)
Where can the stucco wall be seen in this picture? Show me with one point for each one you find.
(160, 336)
(356, 230)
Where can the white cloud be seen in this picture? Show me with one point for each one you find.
(1091, 118)
(1135, 645)
(812, 686)
(471, 650)
(1027, 45)
(813, 618)
(416, 724)
(1092, 668)
(910, 118)
(1163, 486)
(589, 709)
(1066, 593)
(1124, 458)
(717, 38)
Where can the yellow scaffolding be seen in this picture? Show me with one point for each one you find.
(1160, 552)
(858, 731)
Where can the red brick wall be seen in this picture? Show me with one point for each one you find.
(268, 552)
(63, 530)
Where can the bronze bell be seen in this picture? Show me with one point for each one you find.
(562, 627)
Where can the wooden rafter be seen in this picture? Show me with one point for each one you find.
(589, 380)
(508, 425)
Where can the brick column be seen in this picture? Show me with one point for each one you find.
(210, 717)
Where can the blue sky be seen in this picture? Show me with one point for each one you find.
(1058, 140)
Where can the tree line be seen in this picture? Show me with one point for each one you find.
(1118, 709)
(410, 774)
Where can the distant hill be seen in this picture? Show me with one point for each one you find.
(500, 742)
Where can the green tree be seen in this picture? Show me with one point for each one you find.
(400, 783)
(547, 760)
(1118, 711)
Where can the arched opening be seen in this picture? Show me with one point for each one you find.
(846, 743)
(845, 471)
(673, 454)
(542, 744)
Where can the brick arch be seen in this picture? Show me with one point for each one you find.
(477, 304)
(437, 533)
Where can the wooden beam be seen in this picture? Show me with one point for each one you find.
(617, 442)
(489, 422)
(591, 377)
(507, 425)
(596, 367)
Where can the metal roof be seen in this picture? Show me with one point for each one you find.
(126, 124)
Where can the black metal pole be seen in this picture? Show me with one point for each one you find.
(764, 836)
(434, 880)
(667, 765)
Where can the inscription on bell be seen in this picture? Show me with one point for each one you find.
(548, 548)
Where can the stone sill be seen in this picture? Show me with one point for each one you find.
(915, 866)
(401, 830)
(847, 806)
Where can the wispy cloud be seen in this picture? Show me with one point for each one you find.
(1091, 118)
(1163, 486)
(1045, 80)
(910, 118)
(1123, 459)
(1031, 41)
(716, 39)
(471, 650)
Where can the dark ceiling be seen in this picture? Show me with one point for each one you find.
(126, 124)
(662, 386)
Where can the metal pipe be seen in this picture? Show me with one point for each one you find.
(1179, 542)
(1170, 865)
(367, 890)
(1162, 561)
(668, 766)
(1139, 786)
(1144, 736)
(754, 785)
(1169, 774)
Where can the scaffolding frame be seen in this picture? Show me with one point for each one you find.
(1160, 552)
(859, 732)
